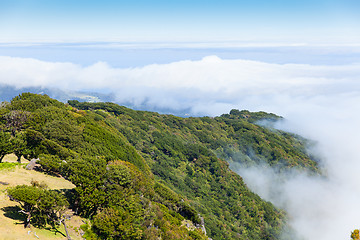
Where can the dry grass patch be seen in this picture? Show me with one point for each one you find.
(19, 175)
(11, 226)
(13, 158)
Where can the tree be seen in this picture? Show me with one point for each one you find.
(87, 174)
(5, 144)
(19, 144)
(117, 223)
(118, 174)
(41, 206)
(15, 120)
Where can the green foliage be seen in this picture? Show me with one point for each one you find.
(64, 132)
(117, 224)
(5, 144)
(118, 174)
(30, 102)
(37, 144)
(88, 233)
(51, 163)
(112, 180)
(28, 195)
(166, 193)
(15, 120)
(181, 152)
(41, 206)
(196, 234)
(88, 176)
(140, 174)
(19, 145)
(8, 165)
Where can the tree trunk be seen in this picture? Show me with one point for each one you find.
(2, 157)
(18, 158)
(27, 223)
(66, 231)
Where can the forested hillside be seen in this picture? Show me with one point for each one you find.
(143, 175)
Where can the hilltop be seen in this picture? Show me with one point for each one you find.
(144, 175)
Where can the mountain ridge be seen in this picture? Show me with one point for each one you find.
(173, 168)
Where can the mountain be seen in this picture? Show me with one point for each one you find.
(7, 92)
(145, 175)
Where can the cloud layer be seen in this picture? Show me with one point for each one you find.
(194, 85)
(319, 102)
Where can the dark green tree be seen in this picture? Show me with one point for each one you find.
(15, 120)
(5, 144)
(88, 176)
(19, 146)
(40, 206)
(117, 223)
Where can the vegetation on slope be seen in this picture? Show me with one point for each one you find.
(139, 175)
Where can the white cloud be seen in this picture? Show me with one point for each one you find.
(197, 82)
(320, 102)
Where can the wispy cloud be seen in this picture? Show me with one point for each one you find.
(319, 102)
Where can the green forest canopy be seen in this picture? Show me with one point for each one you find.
(139, 175)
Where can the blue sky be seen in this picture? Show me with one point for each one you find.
(317, 21)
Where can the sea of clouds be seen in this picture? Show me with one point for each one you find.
(319, 102)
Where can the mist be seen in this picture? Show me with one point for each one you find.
(319, 102)
(319, 207)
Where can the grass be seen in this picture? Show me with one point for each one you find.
(11, 227)
(9, 165)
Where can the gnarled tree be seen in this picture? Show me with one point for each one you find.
(41, 206)
(5, 144)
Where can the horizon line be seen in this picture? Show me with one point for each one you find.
(172, 44)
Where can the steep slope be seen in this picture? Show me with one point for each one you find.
(242, 136)
(114, 185)
(183, 152)
(141, 174)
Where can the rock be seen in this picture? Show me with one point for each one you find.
(31, 164)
